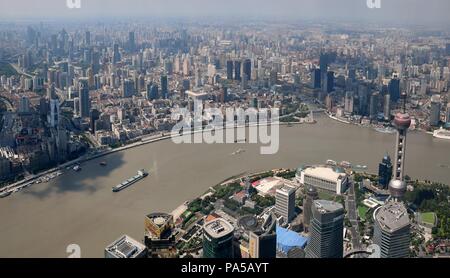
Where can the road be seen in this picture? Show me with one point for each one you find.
(353, 216)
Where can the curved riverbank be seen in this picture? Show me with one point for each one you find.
(80, 208)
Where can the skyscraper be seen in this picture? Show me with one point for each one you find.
(310, 196)
(164, 87)
(327, 228)
(316, 78)
(387, 107)
(127, 88)
(230, 70)
(85, 101)
(131, 42)
(116, 54)
(329, 82)
(394, 89)
(385, 172)
(218, 239)
(392, 230)
(373, 106)
(435, 110)
(51, 91)
(285, 203)
(262, 237)
(237, 70)
(247, 68)
(87, 38)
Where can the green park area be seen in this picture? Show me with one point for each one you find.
(362, 212)
(428, 218)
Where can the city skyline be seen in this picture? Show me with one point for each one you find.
(419, 12)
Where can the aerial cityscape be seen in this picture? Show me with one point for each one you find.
(198, 131)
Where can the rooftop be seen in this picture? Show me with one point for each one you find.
(125, 247)
(218, 228)
(325, 206)
(392, 216)
(325, 172)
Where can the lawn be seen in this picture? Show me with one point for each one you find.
(362, 211)
(428, 217)
(325, 195)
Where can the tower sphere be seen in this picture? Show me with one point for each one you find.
(402, 121)
(397, 188)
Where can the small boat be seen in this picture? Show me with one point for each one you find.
(77, 168)
(345, 164)
(103, 163)
(331, 162)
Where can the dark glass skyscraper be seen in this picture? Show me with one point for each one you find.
(385, 172)
(164, 87)
(218, 239)
(237, 70)
(85, 103)
(394, 89)
(316, 78)
(230, 70)
(247, 68)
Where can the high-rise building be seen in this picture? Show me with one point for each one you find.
(85, 102)
(247, 68)
(311, 194)
(127, 88)
(392, 230)
(327, 228)
(87, 38)
(329, 82)
(387, 107)
(262, 239)
(373, 106)
(285, 203)
(218, 239)
(95, 115)
(316, 78)
(394, 89)
(230, 69)
(131, 42)
(159, 235)
(116, 54)
(349, 102)
(237, 70)
(53, 116)
(164, 87)
(51, 91)
(435, 110)
(385, 172)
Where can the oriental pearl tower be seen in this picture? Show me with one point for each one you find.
(402, 121)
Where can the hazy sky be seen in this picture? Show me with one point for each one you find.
(407, 11)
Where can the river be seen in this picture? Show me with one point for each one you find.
(80, 208)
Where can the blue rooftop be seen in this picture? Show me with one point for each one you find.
(286, 240)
